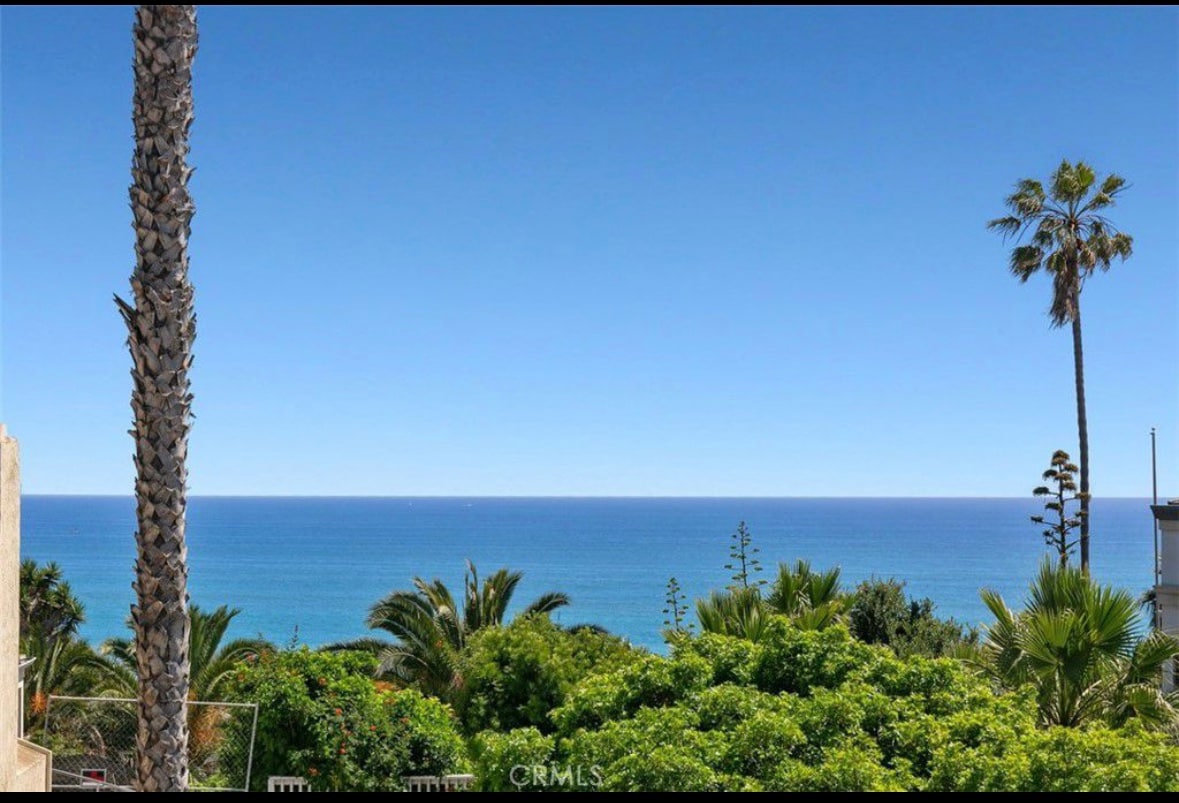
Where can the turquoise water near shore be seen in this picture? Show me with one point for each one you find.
(317, 564)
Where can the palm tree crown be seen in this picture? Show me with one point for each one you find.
(1070, 237)
(432, 629)
(1078, 643)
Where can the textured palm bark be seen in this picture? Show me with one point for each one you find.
(162, 327)
(1082, 432)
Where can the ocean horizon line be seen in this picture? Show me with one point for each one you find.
(654, 497)
(321, 562)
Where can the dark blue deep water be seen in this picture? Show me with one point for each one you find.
(318, 563)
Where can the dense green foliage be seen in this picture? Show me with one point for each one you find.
(498, 758)
(322, 716)
(807, 710)
(513, 676)
(1078, 643)
(879, 612)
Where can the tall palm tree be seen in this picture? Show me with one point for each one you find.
(161, 328)
(1071, 238)
(1078, 644)
(432, 629)
(212, 664)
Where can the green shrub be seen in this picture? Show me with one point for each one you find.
(726, 706)
(881, 613)
(793, 660)
(853, 765)
(666, 768)
(321, 716)
(732, 659)
(498, 758)
(827, 713)
(515, 675)
(762, 743)
(650, 681)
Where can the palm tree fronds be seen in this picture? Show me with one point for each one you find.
(431, 630)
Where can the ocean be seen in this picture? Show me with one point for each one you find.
(308, 569)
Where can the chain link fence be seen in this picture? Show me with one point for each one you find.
(93, 744)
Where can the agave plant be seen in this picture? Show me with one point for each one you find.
(1080, 645)
(431, 629)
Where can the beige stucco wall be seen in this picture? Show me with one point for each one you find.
(34, 768)
(9, 605)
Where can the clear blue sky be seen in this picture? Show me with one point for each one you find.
(600, 251)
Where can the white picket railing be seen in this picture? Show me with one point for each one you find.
(413, 783)
(438, 783)
(287, 783)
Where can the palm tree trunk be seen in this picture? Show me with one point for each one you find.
(162, 327)
(1082, 430)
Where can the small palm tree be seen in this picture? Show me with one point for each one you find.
(1071, 239)
(65, 666)
(1078, 644)
(213, 663)
(737, 612)
(432, 629)
(813, 600)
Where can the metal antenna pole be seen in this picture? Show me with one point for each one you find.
(1154, 488)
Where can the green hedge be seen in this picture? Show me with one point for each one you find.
(814, 711)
